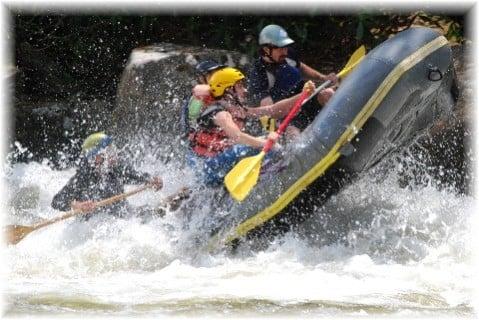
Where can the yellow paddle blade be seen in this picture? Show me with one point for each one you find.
(268, 123)
(15, 233)
(264, 122)
(356, 57)
(244, 176)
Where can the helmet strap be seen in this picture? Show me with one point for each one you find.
(268, 55)
(232, 96)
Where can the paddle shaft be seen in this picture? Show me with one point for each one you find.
(269, 144)
(98, 204)
(302, 100)
(328, 82)
(316, 91)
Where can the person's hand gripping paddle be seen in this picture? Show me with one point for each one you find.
(15, 233)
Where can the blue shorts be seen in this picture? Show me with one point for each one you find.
(213, 170)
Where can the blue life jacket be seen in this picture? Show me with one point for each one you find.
(284, 80)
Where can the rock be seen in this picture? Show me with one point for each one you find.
(55, 130)
(39, 128)
(152, 89)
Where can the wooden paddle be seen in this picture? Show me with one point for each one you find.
(15, 233)
(244, 175)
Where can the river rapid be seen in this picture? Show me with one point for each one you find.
(409, 253)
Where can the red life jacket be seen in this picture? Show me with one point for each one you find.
(207, 139)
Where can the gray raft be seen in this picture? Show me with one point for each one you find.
(396, 92)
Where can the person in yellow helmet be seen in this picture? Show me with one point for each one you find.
(221, 137)
(101, 174)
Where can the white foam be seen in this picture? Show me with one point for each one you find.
(140, 57)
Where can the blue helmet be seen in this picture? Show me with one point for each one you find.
(205, 67)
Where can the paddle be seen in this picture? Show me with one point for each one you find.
(356, 57)
(244, 175)
(16, 233)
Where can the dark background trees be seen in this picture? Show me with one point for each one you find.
(60, 55)
(68, 66)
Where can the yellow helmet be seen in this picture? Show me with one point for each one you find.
(95, 143)
(223, 79)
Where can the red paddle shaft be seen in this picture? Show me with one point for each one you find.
(269, 144)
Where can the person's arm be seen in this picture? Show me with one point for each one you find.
(281, 108)
(312, 74)
(132, 176)
(276, 110)
(68, 198)
(224, 120)
(136, 177)
(69, 193)
(266, 101)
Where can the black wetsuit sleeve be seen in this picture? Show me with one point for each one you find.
(258, 85)
(71, 191)
(132, 176)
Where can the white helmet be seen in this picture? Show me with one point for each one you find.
(274, 35)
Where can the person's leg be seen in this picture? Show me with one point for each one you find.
(306, 115)
(291, 132)
(325, 95)
(216, 168)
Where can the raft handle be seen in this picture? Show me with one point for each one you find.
(434, 73)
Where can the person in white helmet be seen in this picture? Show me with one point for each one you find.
(278, 74)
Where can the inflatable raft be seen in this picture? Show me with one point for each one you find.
(396, 91)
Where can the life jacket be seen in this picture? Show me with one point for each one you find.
(206, 138)
(191, 110)
(284, 79)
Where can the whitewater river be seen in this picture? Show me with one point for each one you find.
(414, 258)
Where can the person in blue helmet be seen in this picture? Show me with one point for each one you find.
(204, 70)
(101, 174)
(278, 73)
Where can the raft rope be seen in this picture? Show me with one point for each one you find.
(334, 153)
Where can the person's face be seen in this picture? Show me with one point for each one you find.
(204, 79)
(278, 55)
(240, 89)
(107, 158)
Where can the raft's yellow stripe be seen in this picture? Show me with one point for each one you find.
(347, 135)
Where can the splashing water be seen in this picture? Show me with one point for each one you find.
(387, 251)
